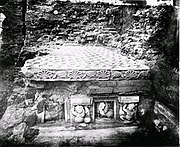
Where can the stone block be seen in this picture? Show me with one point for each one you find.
(127, 83)
(162, 110)
(92, 89)
(131, 88)
(107, 83)
(104, 90)
(95, 83)
(99, 90)
(123, 89)
(133, 85)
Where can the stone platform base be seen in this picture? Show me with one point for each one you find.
(58, 136)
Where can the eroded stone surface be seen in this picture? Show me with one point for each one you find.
(165, 115)
(12, 116)
(61, 135)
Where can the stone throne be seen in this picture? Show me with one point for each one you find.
(94, 84)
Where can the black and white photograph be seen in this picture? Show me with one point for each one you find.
(89, 73)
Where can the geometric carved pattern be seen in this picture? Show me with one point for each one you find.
(77, 63)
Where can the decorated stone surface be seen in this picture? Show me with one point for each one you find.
(104, 110)
(128, 108)
(82, 63)
(80, 108)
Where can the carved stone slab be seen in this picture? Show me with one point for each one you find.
(83, 63)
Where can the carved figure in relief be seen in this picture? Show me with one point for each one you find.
(127, 112)
(87, 118)
(79, 113)
(104, 110)
(82, 114)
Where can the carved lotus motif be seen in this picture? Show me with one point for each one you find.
(45, 74)
(103, 74)
(75, 74)
(131, 74)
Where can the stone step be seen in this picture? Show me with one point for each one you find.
(60, 135)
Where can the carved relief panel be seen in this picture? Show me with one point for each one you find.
(128, 108)
(104, 108)
(78, 109)
(85, 109)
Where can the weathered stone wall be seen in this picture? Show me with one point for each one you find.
(12, 40)
(13, 33)
(165, 72)
(11, 43)
(153, 39)
(81, 23)
(159, 49)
